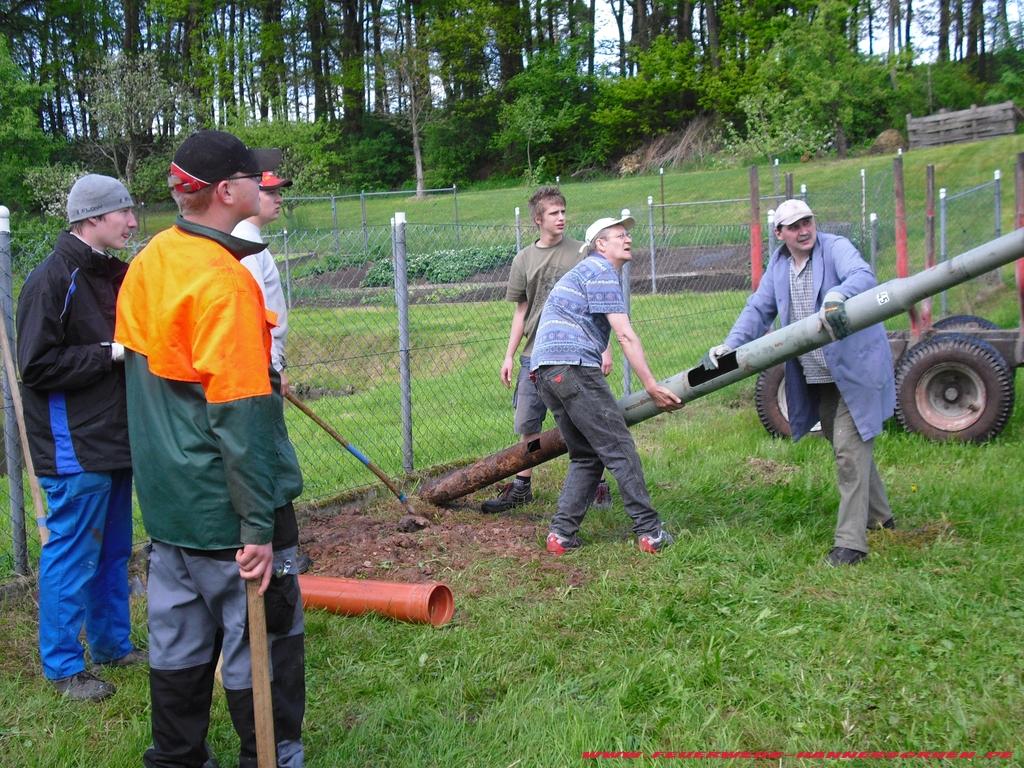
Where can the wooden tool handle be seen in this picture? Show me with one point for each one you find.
(19, 417)
(263, 704)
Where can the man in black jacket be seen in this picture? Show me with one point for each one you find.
(74, 394)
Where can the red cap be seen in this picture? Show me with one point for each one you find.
(270, 182)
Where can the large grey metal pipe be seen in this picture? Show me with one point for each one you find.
(873, 306)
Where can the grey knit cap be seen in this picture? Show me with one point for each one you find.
(94, 195)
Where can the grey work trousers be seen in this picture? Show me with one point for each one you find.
(597, 437)
(862, 499)
(198, 609)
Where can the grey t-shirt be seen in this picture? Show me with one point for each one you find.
(534, 272)
(574, 327)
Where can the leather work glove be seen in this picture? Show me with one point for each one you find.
(710, 360)
(833, 316)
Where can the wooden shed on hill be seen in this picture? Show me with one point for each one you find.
(963, 125)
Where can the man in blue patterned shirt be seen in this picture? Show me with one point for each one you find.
(582, 309)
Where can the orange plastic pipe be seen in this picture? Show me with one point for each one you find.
(429, 603)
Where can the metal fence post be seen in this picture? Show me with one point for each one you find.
(863, 206)
(627, 373)
(803, 192)
(769, 218)
(874, 242)
(519, 233)
(287, 271)
(943, 252)
(650, 226)
(458, 229)
(404, 369)
(661, 173)
(366, 235)
(334, 220)
(775, 177)
(19, 550)
(998, 202)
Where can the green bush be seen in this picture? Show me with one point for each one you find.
(444, 266)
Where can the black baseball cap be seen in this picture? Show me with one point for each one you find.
(206, 157)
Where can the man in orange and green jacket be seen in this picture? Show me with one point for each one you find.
(215, 471)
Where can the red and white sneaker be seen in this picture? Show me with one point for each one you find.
(654, 543)
(559, 545)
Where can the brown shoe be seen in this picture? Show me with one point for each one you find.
(84, 687)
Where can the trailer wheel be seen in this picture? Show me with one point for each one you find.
(964, 323)
(770, 400)
(954, 387)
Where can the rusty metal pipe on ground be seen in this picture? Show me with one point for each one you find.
(428, 603)
(872, 306)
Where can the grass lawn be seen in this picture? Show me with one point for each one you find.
(737, 638)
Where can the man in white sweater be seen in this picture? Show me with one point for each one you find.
(263, 268)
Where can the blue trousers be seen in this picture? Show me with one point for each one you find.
(83, 570)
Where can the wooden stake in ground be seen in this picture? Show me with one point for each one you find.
(19, 416)
(263, 704)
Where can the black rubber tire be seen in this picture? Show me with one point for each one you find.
(770, 400)
(964, 324)
(954, 387)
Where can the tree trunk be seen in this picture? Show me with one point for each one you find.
(618, 8)
(353, 92)
(131, 26)
(508, 39)
(1003, 36)
(591, 37)
(958, 47)
(944, 18)
(380, 75)
(893, 26)
(975, 28)
(711, 18)
(317, 30)
(907, 45)
(684, 21)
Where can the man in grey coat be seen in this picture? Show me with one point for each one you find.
(848, 385)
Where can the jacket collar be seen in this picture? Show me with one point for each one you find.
(80, 253)
(238, 247)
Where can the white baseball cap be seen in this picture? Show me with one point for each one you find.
(595, 229)
(791, 211)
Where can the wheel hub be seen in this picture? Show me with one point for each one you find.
(951, 396)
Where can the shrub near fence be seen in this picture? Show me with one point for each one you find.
(688, 280)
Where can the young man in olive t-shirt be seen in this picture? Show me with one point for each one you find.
(535, 270)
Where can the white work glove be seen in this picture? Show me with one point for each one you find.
(710, 360)
(116, 352)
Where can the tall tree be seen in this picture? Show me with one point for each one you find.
(943, 31)
(353, 88)
(319, 32)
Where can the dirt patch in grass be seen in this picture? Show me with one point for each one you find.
(768, 472)
(354, 541)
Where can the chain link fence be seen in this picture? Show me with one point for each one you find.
(405, 364)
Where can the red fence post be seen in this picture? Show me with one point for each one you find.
(756, 258)
(902, 262)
